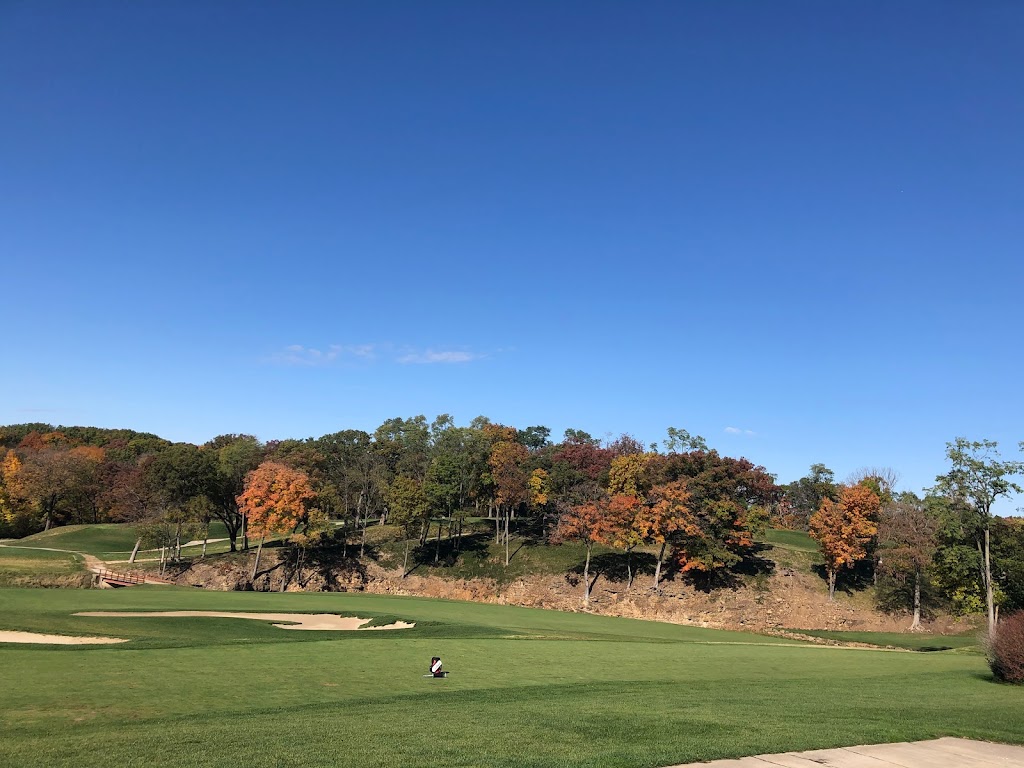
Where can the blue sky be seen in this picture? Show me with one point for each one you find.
(792, 227)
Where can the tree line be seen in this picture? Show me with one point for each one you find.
(945, 547)
(696, 510)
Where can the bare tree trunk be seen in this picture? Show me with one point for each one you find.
(163, 553)
(177, 543)
(362, 539)
(245, 534)
(497, 527)
(138, 543)
(256, 565)
(437, 547)
(507, 536)
(916, 624)
(629, 568)
(586, 577)
(657, 568)
(405, 563)
(989, 596)
(206, 538)
(831, 584)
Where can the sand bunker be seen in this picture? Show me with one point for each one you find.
(10, 636)
(292, 620)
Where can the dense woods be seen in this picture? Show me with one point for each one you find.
(698, 513)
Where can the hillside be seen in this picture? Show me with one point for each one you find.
(781, 590)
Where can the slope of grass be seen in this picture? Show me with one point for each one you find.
(91, 539)
(527, 688)
(780, 537)
(33, 567)
(104, 540)
(909, 641)
(480, 557)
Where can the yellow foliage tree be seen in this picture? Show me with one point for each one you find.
(844, 528)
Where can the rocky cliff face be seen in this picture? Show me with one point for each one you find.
(784, 599)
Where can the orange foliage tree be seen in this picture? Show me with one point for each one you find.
(277, 499)
(844, 528)
(590, 523)
(659, 520)
(625, 513)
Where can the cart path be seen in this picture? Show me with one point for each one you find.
(92, 562)
(947, 752)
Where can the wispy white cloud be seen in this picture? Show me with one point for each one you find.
(298, 354)
(437, 356)
(738, 431)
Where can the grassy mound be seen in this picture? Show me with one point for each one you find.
(109, 541)
(41, 568)
(527, 688)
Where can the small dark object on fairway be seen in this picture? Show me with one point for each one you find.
(435, 668)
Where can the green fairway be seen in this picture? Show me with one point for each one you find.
(913, 642)
(780, 537)
(527, 688)
(91, 539)
(108, 541)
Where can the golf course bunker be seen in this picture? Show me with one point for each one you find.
(328, 621)
(10, 636)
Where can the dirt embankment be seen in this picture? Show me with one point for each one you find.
(786, 598)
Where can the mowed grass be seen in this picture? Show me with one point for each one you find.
(527, 688)
(780, 537)
(909, 641)
(40, 568)
(108, 541)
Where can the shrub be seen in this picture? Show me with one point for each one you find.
(1006, 650)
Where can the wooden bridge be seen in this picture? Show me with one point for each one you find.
(115, 579)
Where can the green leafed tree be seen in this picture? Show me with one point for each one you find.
(976, 479)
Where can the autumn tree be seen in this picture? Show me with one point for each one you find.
(277, 499)
(539, 489)
(668, 512)
(907, 542)
(629, 506)
(589, 523)
(511, 482)
(844, 528)
(976, 479)
(625, 532)
(13, 504)
(52, 477)
(728, 502)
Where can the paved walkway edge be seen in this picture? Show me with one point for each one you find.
(938, 753)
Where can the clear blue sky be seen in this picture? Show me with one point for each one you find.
(792, 227)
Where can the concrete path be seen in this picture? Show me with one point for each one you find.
(938, 753)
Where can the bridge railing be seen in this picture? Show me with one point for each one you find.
(122, 578)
